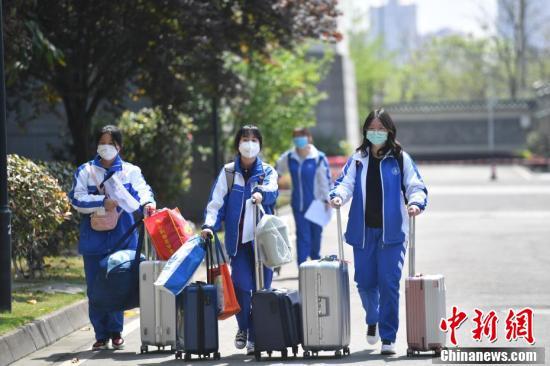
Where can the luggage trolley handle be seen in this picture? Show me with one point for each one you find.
(340, 237)
(150, 253)
(257, 258)
(412, 239)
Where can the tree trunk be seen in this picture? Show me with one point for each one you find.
(79, 125)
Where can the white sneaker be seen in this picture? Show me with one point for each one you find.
(388, 348)
(249, 348)
(240, 339)
(372, 334)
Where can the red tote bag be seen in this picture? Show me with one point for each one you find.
(168, 230)
(218, 274)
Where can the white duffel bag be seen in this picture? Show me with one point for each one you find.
(272, 240)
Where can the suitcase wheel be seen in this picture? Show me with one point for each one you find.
(410, 352)
(338, 354)
(187, 356)
(295, 350)
(346, 351)
(284, 354)
(217, 356)
(269, 354)
(178, 355)
(307, 354)
(143, 349)
(258, 355)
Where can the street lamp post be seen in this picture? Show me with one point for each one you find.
(491, 135)
(491, 101)
(5, 214)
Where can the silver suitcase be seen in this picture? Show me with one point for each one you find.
(157, 308)
(324, 291)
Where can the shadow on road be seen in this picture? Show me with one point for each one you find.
(150, 359)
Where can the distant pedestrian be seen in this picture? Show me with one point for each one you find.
(385, 187)
(310, 176)
(88, 197)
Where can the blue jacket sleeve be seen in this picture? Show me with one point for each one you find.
(269, 188)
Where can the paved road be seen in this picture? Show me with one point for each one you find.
(489, 239)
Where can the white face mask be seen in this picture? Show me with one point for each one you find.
(249, 149)
(107, 152)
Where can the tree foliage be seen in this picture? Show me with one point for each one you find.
(445, 68)
(279, 94)
(160, 144)
(100, 55)
(373, 71)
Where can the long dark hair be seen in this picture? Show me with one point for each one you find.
(392, 145)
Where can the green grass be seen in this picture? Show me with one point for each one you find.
(68, 269)
(28, 305)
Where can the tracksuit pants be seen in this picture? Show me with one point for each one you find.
(244, 281)
(104, 323)
(378, 269)
(308, 238)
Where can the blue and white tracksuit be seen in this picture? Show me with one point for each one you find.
(310, 181)
(379, 253)
(94, 245)
(226, 204)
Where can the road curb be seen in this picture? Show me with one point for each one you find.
(42, 332)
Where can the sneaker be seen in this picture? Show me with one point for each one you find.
(388, 348)
(240, 339)
(117, 341)
(250, 348)
(372, 334)
(100, 344)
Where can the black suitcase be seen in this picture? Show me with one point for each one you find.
(197, 321)
(276, 315)
(276, 318)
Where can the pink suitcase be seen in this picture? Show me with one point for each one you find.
(425, 305)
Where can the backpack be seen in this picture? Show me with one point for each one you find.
(230, 176)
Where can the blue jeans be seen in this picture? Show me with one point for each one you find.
(104, 323)
(377, 273)
(244, 280)
(308, 238)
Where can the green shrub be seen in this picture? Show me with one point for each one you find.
(160, 144)
(39, 205)
(538, 143)
(65, 237)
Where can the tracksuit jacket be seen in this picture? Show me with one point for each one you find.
(310, 180)
(352, 184)
(86, 198)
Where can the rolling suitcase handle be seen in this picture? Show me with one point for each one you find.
(412, 234)
(340, 238)
(150, 253)
(257, 258)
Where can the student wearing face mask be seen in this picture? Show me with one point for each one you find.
(385, 188)
(88, 197)
(310, 174)
(246, 177)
